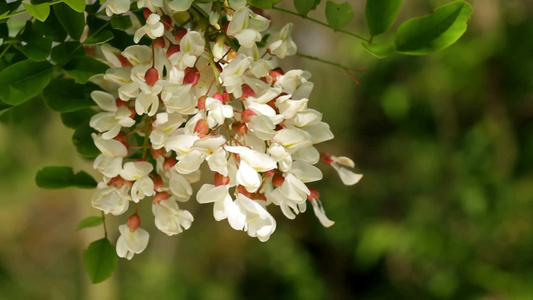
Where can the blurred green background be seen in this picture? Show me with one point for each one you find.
(445, 210)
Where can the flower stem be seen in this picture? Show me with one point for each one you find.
(331, 63)
(105, 226)
(146, 142)
(320, 23)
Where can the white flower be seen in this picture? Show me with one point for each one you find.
(130, 243)
(169, 218)
(110, 199)
(281, 44)
(252, 217)
(320, 213)
(219, 196)
(152, 5)
(232, 76)
(138, 171)
(163, 127)
(117, 7)
(109, 162)
(348, 177)
(111, 121)
(153, 28)
(180, 5)
(217, 112)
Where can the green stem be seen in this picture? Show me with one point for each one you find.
(23, 11)
(320, 23)
(105, 226)
(5, 50)
(146, 142)
(213, 65)
(331, 63)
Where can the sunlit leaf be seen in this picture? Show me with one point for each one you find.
(77, 5)
(434, 32)
(338, 15)
(39, 11)
(379, 51)
(305, 6)
(63, 177)
(24, 80)
(100, 260)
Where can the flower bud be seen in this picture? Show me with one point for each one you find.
(159, 43)
(158, 181)
(231, 55)
(278, 180)
(147, 13)
(201, 127)
(157, 152)
(239, 128)
(191, 76)
(258, 196)
(219, 97)
(201, 102)
(180, 33)
(275, 73)
(172, 49)
(326, 157)
(247, 91)
(226, 97)
(116, 181)
(160, 196)
(240, 189)
(123, 138)
(270, 173)
(221, 179)
(133, 222)
(124, 61)
(151, 76)
(247, 115)
(119, 102)
(169, 163)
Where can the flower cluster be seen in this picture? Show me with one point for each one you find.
(207, 94)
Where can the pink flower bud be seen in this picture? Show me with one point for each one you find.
(270, 173)
(314, 194)
(133, 222)
(240, 189)
(201, 102)
(157, 152)
(277, 180)
(239, 128)
(180, 33)
(159, 43)
(275, 73)
(201, 127)
(247, 115)
(173, 49)
(158, 181)
(169, 163)
(221, 179)
(326, 157)
(124, 61)
(219, 97)
(247, 91)
(160, 196)
(147, 13)
(191, 76)
(151, 76)
(167, 21)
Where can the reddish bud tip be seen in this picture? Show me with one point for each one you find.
(326, 157)
(226, 97)
(219, 97)
(272, 103)
(173, 49)
(275, 73)
(119, 102)
(167, 21)
(191, 76)
(314, 194)
(247, 115)
(158, 181)
(160, 196)
(133, 112)
(157, 152)
(247, 91)
(151, 76)
(124, 61)
(123, 138)
(134, 222)
(240, 189)
(270, 173)
(159, 43)
(221, 179)
(180, 33)
(239, 128)
(201, 127)
(277, 180)
(259, 196)
(201, 102)
(116, 181)
(147, 13)
(169, 163)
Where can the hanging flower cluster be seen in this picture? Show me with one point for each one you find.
(208, 94)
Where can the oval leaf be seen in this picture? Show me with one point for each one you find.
(380, 14)
(62, 53)
(64, 95)
(83, 141)
(72, 21)
(121, 22)
(39, 11)
(305, 6)
(63, 177)
(24, 80)
(99, 38)
(90, 222)
(100, 260)
(77, 5)
(434, 32)
(76, 118)
(82, 68)
(338, 15)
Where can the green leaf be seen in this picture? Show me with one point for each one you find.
(64, 95)
(120, 22)
(91, 221)
(64, 52)
(338, 15)
(76, 118)
(264, 4)
(51, 27)
(379, 51)
(24, 80)
(99, 38)
(434, 32)
(36, 46)
(82, 68)
(39, 11)
(305, 6)
(63, 177)
(72, 21)
(77, 5)
(83, 141)
(100, 260)
(380, 14)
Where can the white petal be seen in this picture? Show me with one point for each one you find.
(348, 177)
